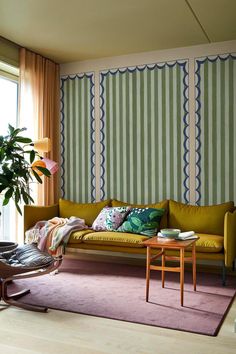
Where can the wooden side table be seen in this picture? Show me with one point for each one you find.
(166, 244)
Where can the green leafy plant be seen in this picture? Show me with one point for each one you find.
(16, 171)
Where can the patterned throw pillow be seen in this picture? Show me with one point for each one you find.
(110, 219)
(144, 221)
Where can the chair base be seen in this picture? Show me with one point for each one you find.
(25, 273)
(11, 299)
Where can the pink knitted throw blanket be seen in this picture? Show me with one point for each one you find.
(53, 233)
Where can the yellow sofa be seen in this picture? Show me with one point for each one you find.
(215, 225)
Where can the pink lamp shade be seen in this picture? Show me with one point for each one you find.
(51, 165)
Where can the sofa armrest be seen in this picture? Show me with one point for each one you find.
(230, 237)
(34, 213)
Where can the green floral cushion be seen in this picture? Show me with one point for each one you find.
(144, 221)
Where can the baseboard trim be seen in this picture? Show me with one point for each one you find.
(138, 259)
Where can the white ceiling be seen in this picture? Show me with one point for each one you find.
(72, 30)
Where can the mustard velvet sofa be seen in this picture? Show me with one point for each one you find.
(215, 225)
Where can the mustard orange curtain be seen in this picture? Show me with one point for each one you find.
(39, 112)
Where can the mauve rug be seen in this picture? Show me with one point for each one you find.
(117, 291)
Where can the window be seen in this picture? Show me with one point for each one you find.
(8, 115)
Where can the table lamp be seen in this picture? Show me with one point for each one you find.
(44, 145)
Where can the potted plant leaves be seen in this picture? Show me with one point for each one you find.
(18, 167)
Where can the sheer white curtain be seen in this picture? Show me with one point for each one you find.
(39, 110)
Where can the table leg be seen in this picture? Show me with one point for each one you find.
(182, 276)
(163, 265)
(194, 266)
(148, 272)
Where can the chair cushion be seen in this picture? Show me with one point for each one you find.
(209, 243)
(203, 219)
(86, 211)
(28, 256)
(115, 239)
(159, 205)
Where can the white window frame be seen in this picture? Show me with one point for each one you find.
(11, 73)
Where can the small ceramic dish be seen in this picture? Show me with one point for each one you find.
(170, 233)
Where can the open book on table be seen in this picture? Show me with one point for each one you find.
(187, 235)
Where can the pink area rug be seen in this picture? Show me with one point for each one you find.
(117, 291)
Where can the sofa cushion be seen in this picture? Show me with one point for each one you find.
(209, 243)
(201, 219)
(110, 218)
(86, 211)
(144, 221)
(160, 205)
(77, 236)
(114, 239)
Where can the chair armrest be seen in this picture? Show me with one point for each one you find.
(34, 213)
(230, 237)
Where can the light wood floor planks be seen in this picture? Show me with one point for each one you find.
(25, 332)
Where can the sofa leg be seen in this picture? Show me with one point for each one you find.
(223, 274)
(233, 265)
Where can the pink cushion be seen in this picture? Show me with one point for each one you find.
(110, 218)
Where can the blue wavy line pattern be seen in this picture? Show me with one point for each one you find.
(184, 65)
(90, 76)
(102, 138)
(62, 126)
(198, 105)
(186, 134)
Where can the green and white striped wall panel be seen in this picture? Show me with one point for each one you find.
(215, 129)
(144, 133)
(77, 137)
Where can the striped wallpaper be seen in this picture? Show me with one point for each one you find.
(77, 138)
(144, 133)
(215, 79)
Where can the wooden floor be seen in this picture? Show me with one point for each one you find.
(25, 332)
